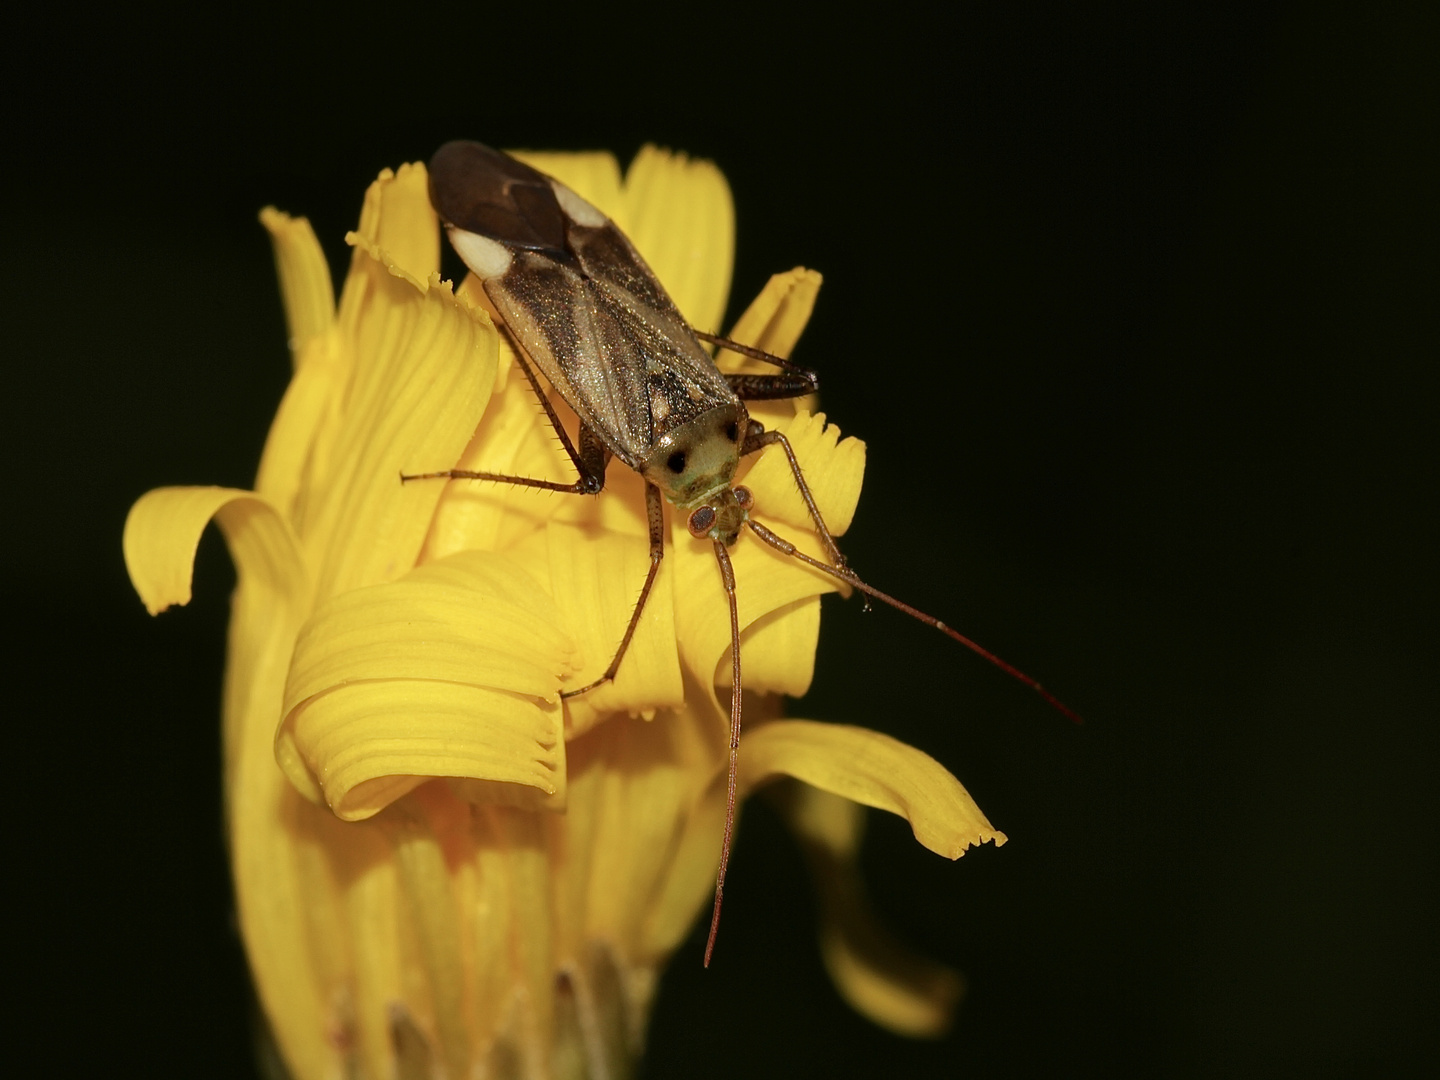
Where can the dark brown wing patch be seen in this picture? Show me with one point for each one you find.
(486, 192)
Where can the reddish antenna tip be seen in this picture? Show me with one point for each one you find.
(1059, 705)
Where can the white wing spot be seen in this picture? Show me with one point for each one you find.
(576, 208)
(487, 258)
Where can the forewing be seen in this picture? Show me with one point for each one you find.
(578, 297)
(485, 192)
(566, 330)
(682, 380)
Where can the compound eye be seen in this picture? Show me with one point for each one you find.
(676, 462)
(702, 521)
(744, 498)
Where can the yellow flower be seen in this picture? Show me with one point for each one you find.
(452, 870)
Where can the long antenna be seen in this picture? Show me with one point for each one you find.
(727, 573)
(849, 577)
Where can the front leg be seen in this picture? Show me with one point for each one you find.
(790, 384)
(757, 438)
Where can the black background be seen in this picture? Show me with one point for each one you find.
(1137, 313)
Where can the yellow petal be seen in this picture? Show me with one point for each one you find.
(442, 673)
(307, 416)
(878, 976)
(423, 371)
(765, 582)
(834, 470)
(775, 319)
(872, 769)
(515, 439)
(475, 618)
(321, 368)
(634, 787)
(362, 747)
(692, 859)
(778, 655)
(163, 530)
(596, 579)
(777, 650)
(305, 288)
(774, 323)
(398, 219)
(424, 876)
(682, 220)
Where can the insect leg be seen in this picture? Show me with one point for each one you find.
(756, 439)
(654, 510)
(727, 574)
(773, 387)
(752, 352)
(589, 461)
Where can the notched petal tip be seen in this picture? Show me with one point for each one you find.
(397, 218)
(873, 769)
(775, 319)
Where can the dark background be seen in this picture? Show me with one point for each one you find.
(1137, 313)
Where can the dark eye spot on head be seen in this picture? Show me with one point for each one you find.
(676, 462)
(732, 431)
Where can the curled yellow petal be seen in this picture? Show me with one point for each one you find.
(163, 530)
(361, 747)
(872, 769)
(878, 976)
(445, 672)
(766, 583)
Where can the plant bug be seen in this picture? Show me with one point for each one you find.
(584, 309)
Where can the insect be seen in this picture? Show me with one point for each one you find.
(586, 311)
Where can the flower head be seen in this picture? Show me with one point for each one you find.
(437, 858)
